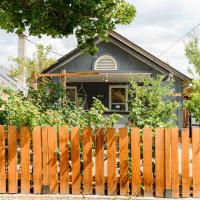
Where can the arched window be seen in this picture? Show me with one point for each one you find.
(105, 62)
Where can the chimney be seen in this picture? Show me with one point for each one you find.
(21, 46)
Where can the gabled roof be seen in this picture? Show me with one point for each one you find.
(138, 50)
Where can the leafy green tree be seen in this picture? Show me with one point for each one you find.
(151, 104)
(29, 67)
(193, 103)
(192, 52)
(89, 19)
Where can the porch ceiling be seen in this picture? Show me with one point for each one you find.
(109, 77)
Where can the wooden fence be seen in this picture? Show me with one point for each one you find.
(128, 162)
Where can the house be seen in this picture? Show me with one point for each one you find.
(6, 81)
(115, 63)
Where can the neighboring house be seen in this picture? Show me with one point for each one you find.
(116, 62)
(7, 81)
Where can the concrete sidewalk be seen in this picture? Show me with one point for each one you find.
(73, 197)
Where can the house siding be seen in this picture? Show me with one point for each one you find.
(125, 61)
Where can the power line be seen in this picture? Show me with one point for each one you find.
(172, 45)
(37, 44)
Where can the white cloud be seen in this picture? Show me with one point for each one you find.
(158, 25)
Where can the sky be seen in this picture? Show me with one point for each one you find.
(158, 25)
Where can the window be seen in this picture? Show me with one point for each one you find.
(105, 62)
(72, 94)
(118, 97)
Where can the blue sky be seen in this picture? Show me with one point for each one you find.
(158, 25)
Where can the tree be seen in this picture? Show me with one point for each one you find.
(30, 67)
(151, 105)
(192, 52)
(193, 103)
(89, 19)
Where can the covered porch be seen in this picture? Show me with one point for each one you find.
(110, 88)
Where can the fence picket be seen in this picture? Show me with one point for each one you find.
(2, 161)
(167, 162)
(147, 161)
(64, 176)
(37, 160)
(12, 159)
(43, 149)
(159, 157)
(45, 160)
(174, 164)
(87, 160)
(196, 161)
(99, 162)
(123, 144)
(185, 163)
(25, 160)
(76, 181)
(135, 157)
(53, 173)
(111, 157)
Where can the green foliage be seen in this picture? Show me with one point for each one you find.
(192, 52)
(45, 107)
(48, 95)
(17, 111)
(96, 117)
(30, 67)
(151, 104)
(89, 19)
(193, 103)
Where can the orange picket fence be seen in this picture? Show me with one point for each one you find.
(61, 160)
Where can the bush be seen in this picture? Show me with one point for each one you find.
(45, 106)
(151, 105)
(193, 103)
(17, 111)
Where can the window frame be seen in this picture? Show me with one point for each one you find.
(110, 97)
(99, 58)
(76, 94)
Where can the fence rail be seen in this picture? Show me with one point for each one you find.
(112, 162)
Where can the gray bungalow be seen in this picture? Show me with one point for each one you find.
(116, 62)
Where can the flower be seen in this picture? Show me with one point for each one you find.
(5, 97)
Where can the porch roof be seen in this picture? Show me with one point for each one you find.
(109, 77)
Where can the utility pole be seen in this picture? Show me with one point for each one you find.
(21, 54)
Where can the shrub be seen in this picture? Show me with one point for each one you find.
(19, 112)
(45, 106)
(151, 105)
(193, 103)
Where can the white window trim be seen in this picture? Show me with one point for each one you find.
(113, 59)
(110, 96)
(76, 94)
